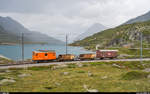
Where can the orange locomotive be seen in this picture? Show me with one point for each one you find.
(43, 55)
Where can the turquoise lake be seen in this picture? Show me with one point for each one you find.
(15, 52)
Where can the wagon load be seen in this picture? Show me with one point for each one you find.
(67, 57)
(106, 54)
(89, 56)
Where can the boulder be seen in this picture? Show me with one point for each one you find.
(92, 90)
(148, 76)
(90, 74)
(23, 75)
(104, 77)
(147, 70)
(89, 90)
(115, 65)
(7, 80)
(8, 71)
(79, 65)
(64, 73)
(58, 84)
(59, 66)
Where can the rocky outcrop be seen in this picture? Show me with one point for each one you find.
(129, 37)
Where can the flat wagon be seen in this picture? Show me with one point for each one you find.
(89, 56)
(43, 55)
(106, 54)
(66, 57)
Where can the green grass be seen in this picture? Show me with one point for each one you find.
(106, 78)
(80, 71)
(39, 68)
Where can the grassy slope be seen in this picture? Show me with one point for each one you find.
(44, 79)
(105, 37)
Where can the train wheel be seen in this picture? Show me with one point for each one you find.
(111, 58)
(82, 59)
(59, 60)
(35, 61)
(72, 60)
(38, 61)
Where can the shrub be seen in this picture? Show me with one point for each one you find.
(134, 65)
(1, 77)
(85, 65)
(1, 70)
(72, 65)
(135, 75)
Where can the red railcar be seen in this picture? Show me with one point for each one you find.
(106, 54)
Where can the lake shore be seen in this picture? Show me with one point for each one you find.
(14, 52)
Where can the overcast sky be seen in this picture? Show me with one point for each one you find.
(58, 17)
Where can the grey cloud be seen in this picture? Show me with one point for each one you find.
(22, 6)
(55, 17)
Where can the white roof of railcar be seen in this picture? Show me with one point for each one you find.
(108, 50)
(44, 51)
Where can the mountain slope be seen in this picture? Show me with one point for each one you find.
(142, 18)
(6, 37)
(124, 35)
(92, 30)
(11, 30)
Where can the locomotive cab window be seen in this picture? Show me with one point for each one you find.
(45, 54)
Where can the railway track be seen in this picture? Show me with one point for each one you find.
(31, 64)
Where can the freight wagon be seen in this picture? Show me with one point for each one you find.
(43, 55)
(106, 54)
(66, 57)
(89, 56)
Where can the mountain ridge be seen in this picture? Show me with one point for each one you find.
(95, 28)
(141, 18)
(11, 27)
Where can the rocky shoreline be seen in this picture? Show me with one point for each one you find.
(1, 56)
